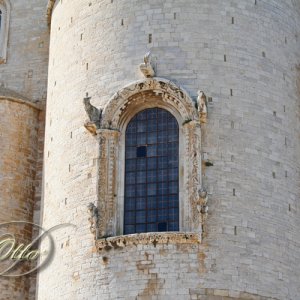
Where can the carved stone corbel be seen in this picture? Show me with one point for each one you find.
(146, 68)
(94, 114)
(94, 220)
(202, 107)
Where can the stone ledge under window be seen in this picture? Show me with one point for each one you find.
(121, 242)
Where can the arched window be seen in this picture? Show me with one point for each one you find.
(151, 172)
(143, 186)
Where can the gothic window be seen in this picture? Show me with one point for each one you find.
(151, 172)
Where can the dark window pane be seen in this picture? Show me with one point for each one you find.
(151, 176)
(162, 149)
(141, 139)
(141, 190)
(152, 227)
(130, 152)
(130, 165)
(152, 125)
(141, 177)
(152, 113)
(152, 163)
(162, 215)
(173, 213)
(130, 191)
(163, 188)
(129, 204)
(162, 226)
(152, 150)
(151, 216)
(152, 138)
(141, 151)
(151, 203)
(162, 162)
(162, 175)
(141, 164)
(173, 226)
(141, 216)
(162, 136)
(173, 187)
(141, 228)
(173, 174)
(151, 190)
(141, 203)
(173, 201)
(130, 178)
(129, 229)
(141, 126)
(129, 217)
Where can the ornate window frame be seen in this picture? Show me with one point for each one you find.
(5, 8)
(137, 96)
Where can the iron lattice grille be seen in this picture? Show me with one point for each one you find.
(151, 173)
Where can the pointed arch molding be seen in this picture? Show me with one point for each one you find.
(147, 93)
(5, 8)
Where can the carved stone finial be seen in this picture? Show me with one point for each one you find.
(202, 107)
(94, 114)
(146, 68)
(202, 202)
(94, 220)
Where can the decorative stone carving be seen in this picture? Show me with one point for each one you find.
(146, 68)
(94, 220)
(121, 242)
(202, 106)
(194, 170)
(108, 159)
(94, 114)
(172, 95)
(150, 92)
(202, 202)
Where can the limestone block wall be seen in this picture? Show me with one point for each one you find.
(244, 54)
(25, 70)
(19, 136)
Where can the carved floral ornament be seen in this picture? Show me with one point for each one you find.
(109, 126)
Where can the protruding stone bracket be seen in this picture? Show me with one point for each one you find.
(202, 107)
(132, 240)
(94, 114)
(146, 68)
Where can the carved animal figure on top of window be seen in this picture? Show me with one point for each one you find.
(94, 114)
(146, 68)
(202, 106)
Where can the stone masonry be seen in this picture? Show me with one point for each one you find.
(239, 145)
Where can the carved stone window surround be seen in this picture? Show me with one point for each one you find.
(148, 93)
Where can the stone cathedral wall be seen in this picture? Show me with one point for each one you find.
(244, 55)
